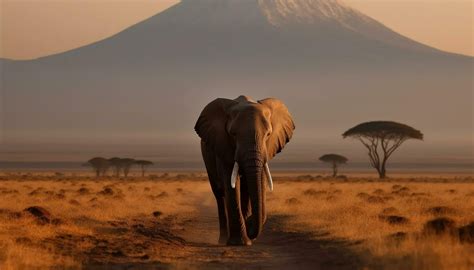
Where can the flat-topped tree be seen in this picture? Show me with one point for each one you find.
(143, 164)
(335, 160)
(127, 164)
(382, 138)
(121, 164)
(100, 165)
(116, 163)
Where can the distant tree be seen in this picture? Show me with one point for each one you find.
(116, 163)
(143, 164)
(382, 138)
(100, 165)
(335, 160)
(121, 165)
(127, 164)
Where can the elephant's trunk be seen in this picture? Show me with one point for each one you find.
(253, 171)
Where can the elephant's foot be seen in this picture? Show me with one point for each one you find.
(239, 241)
(252, 232)
(222, 240)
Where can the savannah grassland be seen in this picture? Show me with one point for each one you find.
(170, 222)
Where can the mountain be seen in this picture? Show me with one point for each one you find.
(332, 65)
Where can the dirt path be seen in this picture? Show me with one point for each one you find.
(277, 248)
(189, 241)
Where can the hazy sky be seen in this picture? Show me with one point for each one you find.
(34, 28)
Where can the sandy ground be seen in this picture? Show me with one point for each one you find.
(191, 243)
(277, 248)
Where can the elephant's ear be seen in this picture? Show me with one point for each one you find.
(282, 126)
(211, 124)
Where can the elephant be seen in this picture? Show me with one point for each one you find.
(238, 139)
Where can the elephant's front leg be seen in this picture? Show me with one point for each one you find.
(223, 234)
(235, 220)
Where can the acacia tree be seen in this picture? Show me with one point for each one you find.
(143, 164)
(100, 165)
(382, 138)
(121, 164)
(116, 163)
(335, 160)
(126, 164)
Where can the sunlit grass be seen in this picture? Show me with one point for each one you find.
(341, 210)
(349, 211)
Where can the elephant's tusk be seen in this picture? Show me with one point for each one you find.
(235, 173)
(269, 177)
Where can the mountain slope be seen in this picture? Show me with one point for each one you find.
(332, 65)
(309, 12)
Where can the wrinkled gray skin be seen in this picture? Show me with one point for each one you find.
(249, 133)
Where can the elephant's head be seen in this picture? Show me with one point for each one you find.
(247, 134)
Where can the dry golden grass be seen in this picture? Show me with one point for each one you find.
(84, 209)
(356, 211)
(100, 219)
